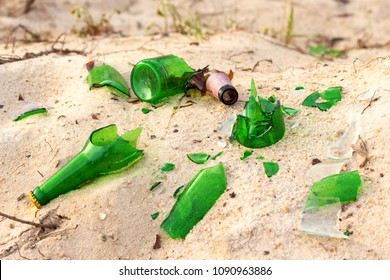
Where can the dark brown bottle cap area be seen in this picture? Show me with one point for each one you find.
(228, 95)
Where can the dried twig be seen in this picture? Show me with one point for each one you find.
(27, 222)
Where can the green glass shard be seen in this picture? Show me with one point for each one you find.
(260, 158)
(104, 153)
(261, 124)
(290, 111)
(311, 100)
(299, 88)
(347, 233)
(31, 113)
(198, 158)
(246, 154)
(108, 76)
(344, 187)
(167, 167)
(196, 200)
(154, 185)
(217, 155)
(146, 110)
(332, 96)
(271, 168)
(155, 215)
(178, 191)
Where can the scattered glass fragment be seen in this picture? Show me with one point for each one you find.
(154, 186)
(325, 169)
(31, 112)
(342, 148)
(290, 111)
(247, 153)
(217, 155)
(104, 153)
(271, 168)
(299, 88)
(156, 79)
(198, 158)
(222, 144)
(261, 123)
(157, 244)
(332, 96)
(227, 127)
(196, 200)
(167, 167)
(155, 215)
(323, 222)
(339, 152)
(343, 186)
(321, 50)
(260, 158)
(323, 205)
(347, 233)
(178, 191)
(105, 75)
(146, 110)
(294, 125)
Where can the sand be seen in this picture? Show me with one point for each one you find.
(258, 217)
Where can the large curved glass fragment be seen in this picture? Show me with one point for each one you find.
(262, 122)
(195, 201)
(323, 204)
(105, 75)
(104, 153)
(343, 186)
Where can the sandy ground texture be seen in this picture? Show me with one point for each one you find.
(258, 217)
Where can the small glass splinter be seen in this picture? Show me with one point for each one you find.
(104, 153)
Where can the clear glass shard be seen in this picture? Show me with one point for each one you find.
(342, 148)
(227, 127)
(322, 222)
(325, 169)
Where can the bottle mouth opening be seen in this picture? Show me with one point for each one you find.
(228, 95)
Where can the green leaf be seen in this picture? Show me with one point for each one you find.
(271, 168)
(198, 158)
(317, 50)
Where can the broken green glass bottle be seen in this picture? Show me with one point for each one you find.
(195, 201)
(261, 124)
(104, 153)
(156, 79)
